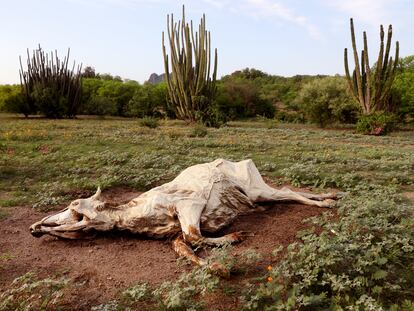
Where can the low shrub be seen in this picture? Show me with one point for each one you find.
(100, 106)
(271, 123)
(149, 100)
(149, 122)
(199, 130)
(363, 262)
(290, 116)
(326, 100)
(17, 103)
(241, 99)
(376, 124)
(28, 292)
(136, 293)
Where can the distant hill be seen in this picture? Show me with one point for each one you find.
(155, 78)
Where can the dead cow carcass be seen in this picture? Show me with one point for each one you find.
(202, 198)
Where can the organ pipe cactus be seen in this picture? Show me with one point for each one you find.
(372, 87)
(59, 86)
(191, 89)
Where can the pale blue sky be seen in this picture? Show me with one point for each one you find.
(123, 37)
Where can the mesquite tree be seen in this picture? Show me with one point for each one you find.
(50, 87)
(191, 89)
(372, 88)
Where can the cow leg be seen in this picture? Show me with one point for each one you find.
(258, 191)
(312, 196)
(184, 250)
(230, 238)
(289, 195)
(189, 214)
(190, 226)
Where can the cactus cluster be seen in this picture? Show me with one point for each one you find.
(191, 89)
(49, 85)
(372, 88)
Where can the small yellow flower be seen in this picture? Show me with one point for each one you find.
(269, 268)
(269, 279)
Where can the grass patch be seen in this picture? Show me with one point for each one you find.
(362, 262)
(84, 153)
(28, 292)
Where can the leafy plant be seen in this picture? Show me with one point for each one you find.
(149, 122)
(364, 261)
(403, 89)
(29, 293)
(199, 130)
(100, 106)
(136, 293)
(237, 98)
(376, 124)
(325, 101)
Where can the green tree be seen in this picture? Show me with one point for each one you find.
(7, 91)
(149, 100)
(100, 106)
(326, 101)
(89, 72)
(118, 92)
(403, 94)
(241, 99)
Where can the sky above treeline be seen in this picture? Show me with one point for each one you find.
(123, 37)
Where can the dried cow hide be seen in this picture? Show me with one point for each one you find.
(202, 198)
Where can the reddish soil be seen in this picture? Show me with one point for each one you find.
(112, 262)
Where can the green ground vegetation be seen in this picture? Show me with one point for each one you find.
(44, 161)
(363, 261)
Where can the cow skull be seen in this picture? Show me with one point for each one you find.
(75, 221)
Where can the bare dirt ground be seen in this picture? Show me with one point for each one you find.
(112, 262)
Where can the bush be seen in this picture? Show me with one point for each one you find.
(28, 292)
(290, 116)
(149, 100)
(403, 94)
(199, 131)
(119, 93)
(49, 102)
(107, 96)
(149, 122)
(326, 101)
(376, 124)
(100, 106)
(363, 262)
(241, 99)
(17, 103)
(7, 91)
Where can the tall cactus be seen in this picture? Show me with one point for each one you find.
(58, 87)
(372, 89)
(191, 89)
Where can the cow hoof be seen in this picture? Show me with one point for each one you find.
(328, 203)
(331, 195)
(240, 236)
